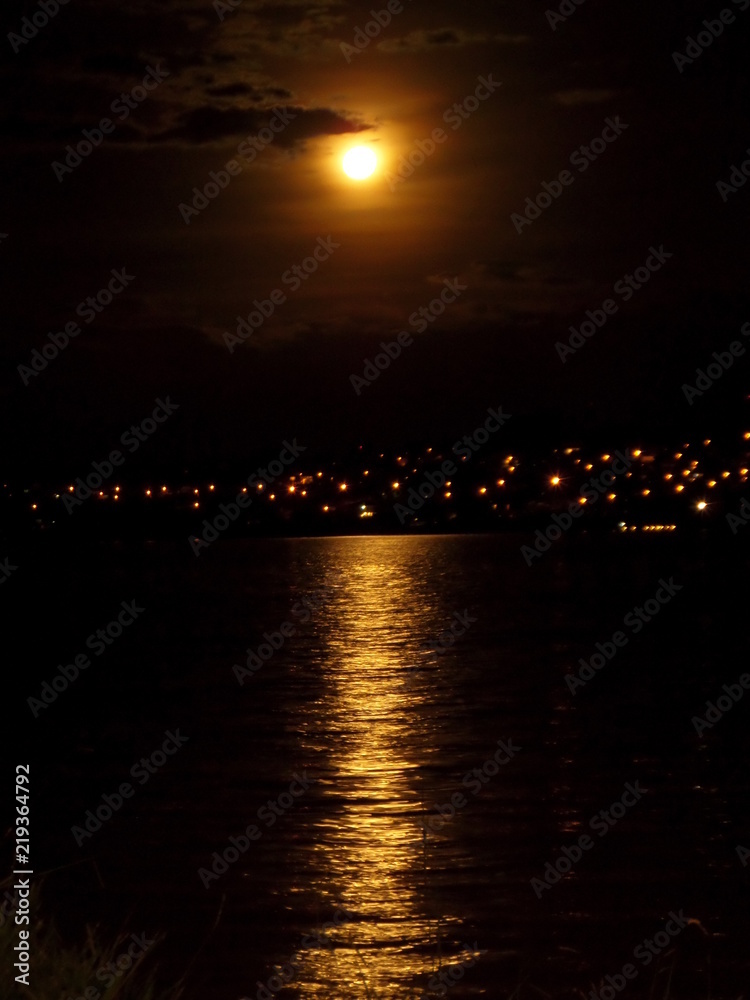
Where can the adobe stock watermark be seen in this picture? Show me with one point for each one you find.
(98, 642)
(222, 9)
(419, 320)
(442, 981)
(625, 287)
(230, 512)
(287, 971)
(723, 361)
(294, 278)
(645, 953)
(122, 106)
(464, 449)
(635, 621)
(695, 47)
(6, 570)
(738, 178)
(462, 622)
(566, 9)
(31, 26)
(302, 610)
(600, 824)
(363, 36)
(143, 769)
(110, 972)
(740, 520)
(268, 813)
(582, 158)
(248, 149)
(459, 626)
(590, 492)
(88, 309)
(473, 781)
(455, 116)
(132, 439)
(715, 711)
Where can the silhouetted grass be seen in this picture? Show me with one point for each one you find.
(60, 970)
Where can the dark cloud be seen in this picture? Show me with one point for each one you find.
(235, 90)
(212, 124)
(112, 63)
(424, 41)
(239, 89)
(307, 11)
(583, 95)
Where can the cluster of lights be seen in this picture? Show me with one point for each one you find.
(647, 527)
(684, 474)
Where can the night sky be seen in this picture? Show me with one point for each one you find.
(218, 76)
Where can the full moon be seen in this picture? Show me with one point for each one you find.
(360, 162)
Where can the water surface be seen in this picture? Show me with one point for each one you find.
(384, 730)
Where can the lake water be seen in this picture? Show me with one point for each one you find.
(383, 729)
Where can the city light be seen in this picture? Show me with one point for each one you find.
(365, 484)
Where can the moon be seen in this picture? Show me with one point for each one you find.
(360, 162)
